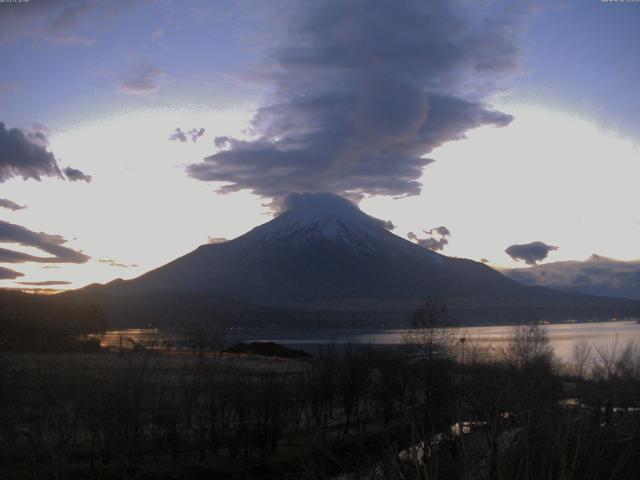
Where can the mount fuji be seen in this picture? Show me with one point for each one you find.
(323, 253)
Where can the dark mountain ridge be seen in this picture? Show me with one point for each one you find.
(322, 249)
(323, 254)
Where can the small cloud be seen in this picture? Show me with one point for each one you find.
(437, 238)
(8, 274)
(214, 240)
(530, 253)
(178, 136)
(181, 136)
(75, 175)
(141, 80)
(9, 205)
(46, 283)
(196, 133)
(442, 231)
(113, 263)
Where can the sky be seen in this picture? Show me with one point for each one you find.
(132, 132)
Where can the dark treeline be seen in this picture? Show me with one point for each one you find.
(169, 309)
(48, 323)
(436, 408)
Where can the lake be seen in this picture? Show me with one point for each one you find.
(562, 336)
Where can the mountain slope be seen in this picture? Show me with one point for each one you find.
(322, 249)
(323, 260)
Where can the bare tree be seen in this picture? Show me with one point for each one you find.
(191, 377)
(581, 353)
(353, 378)
(430, 328)
(528, 345)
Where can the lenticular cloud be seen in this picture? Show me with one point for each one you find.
(362, 91)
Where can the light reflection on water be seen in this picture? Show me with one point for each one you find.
(133, 336)
(562, 336)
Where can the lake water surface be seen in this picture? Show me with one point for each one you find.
(562, 336)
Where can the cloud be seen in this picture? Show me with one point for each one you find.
(9, 205)
(597, 275)
(113, 263)
(25, 154)
(75, 175)
(196, 133)
(8, 274)
(214, 240)
(363, 90)
(178, 135)
(530, 253)
(60, 22)
(52, 22)
(141, 80)
(320, 205)
(51, 244)
(437, 238)
(181, 136)
(46, 283)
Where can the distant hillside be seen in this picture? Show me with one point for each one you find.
(597, 275)
(48, 322)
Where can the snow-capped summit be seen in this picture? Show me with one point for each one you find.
(316, 216)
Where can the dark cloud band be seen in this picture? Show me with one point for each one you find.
(8, 274)
(9, 205)
(51, 244)
(25, 154)
(46, 283)
(113, 263)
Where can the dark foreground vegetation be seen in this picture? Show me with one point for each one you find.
(267, 349)
(436, 408)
